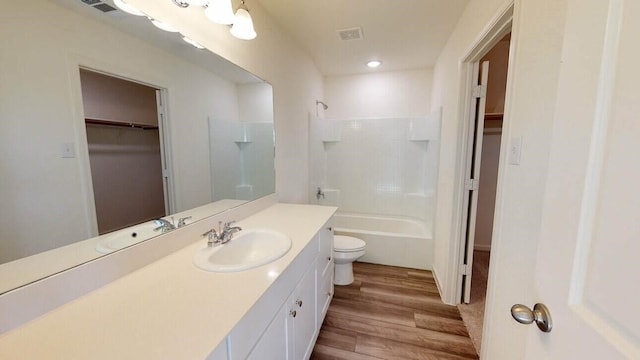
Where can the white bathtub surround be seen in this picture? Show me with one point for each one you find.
(246, 148)
(380, 166)
(244, 192)
(172, 310)
(391, 240)
(426, 129)
(331, 197)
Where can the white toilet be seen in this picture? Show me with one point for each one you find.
(346, 250)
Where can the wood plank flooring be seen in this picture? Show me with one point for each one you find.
(391, 313)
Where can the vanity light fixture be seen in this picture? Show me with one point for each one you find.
(197, 2)
(220, 12)
(374, 64)
(127, 8)
(163, 25)
(243, 24)
(192, 42)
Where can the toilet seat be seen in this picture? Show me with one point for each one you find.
(344, 243)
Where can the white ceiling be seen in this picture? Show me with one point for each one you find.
(403, 34)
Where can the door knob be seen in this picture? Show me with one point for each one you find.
(540, 314)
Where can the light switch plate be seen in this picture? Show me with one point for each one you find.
(68, 150)
(515, 150)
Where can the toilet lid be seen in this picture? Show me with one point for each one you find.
(347, 243)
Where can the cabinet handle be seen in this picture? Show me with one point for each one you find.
(329, 293)
(292, 313)
(299, 302)
(330, 228)
(328, 258)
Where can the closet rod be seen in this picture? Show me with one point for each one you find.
(120, 124)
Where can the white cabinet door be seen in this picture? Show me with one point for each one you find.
(325, 271)
(274, 342)
(325, 294)
(304, 323)
(325, 242)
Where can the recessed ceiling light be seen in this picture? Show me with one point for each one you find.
(374, 63)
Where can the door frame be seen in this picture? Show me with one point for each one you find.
(91, 219)
(497, 28)
(473, 160)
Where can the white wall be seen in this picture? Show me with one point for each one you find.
(536, 44)
(255, 102)
(271, 56)
(379, 94)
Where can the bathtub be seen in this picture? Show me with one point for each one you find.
(391, 240)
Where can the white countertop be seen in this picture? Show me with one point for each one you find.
(169, 309)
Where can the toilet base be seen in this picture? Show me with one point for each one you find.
(343, 274)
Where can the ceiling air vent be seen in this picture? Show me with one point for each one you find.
(97, 4)
(104, 7)
(350, 34)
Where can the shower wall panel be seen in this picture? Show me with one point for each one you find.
(375, 166)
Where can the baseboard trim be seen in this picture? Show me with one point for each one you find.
(435, 276)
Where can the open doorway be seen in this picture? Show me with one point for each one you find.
(483, 157)
(124, 141)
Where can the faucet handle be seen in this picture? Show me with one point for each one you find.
(211, 233)
(229, 223)
(182, 221)
(212, 237)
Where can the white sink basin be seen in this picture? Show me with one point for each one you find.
(126, 237)
(248, 249)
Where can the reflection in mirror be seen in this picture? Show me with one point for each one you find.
(49, 211)
(125, 156)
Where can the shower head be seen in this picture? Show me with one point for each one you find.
(324, 106)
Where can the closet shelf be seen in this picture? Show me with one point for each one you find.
(493, 116)
(120, 124)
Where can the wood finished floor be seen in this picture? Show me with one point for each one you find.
(391, 313)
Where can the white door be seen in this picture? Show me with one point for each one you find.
(474, 156)
(588, 258)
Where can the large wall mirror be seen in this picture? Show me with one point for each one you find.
(213, 134)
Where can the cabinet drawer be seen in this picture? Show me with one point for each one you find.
(325, 293)
(326, 239)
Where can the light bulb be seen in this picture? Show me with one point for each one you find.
(220, 12)
(243, 26)
(127, 8)
(163, 25)
(192, 42)
(374, 63)
(197, 2)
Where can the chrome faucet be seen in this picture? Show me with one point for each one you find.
(319, 193)
(182, 221)
(164, 225)
(227, 233)
(223, 235)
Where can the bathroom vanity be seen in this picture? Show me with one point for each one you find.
(171, 309)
